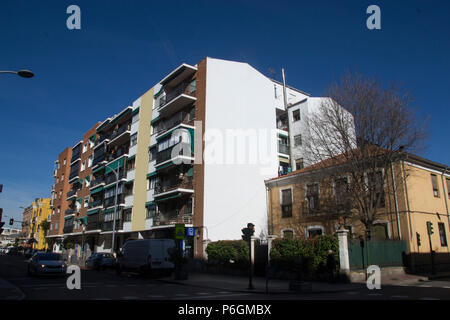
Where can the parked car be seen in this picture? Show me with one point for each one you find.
(145, 256)
(29, 253)
(44, 263)
(12, 251)
(101, 261)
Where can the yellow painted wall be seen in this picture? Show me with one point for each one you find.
(141, 162)
(40, 213)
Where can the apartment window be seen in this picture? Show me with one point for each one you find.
(60, 193)
(313, 232)
(135, 118)
(442, 234)
(59, 165)
(288, 234)
(153, 183)
(133, 140)
(131, 164)
(192, 114)
(286, 203)
(312, 196)
(91, 158)
(298, 140)
(151, 211)
(85, 146)
(62, 177)
(275, 91)
(127, 215)
(189, 206)
(56, 225)
(59, 210)
(86, 202)
(192, 86)
(64, 161)
(296, 115)
(341, 190)
(152, 153)
(83, 166)
(448, 188)
(435, 185)
(87, 181)
(299, 164)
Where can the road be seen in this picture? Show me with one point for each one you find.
(106, 285)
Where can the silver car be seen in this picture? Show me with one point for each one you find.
(47, 263)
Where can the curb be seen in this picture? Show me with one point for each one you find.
(9, 286)
(255, 291)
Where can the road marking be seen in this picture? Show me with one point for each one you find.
(219, 296)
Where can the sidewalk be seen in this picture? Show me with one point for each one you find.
(9, 291)
(240, 284)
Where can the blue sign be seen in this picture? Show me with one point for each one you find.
(190, 232)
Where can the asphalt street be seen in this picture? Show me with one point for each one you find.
(106, 285)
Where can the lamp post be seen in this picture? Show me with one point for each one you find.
(21, 73)
(115, 205)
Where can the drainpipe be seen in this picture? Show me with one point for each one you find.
(445, 195)
(409, 212)
(396, 202)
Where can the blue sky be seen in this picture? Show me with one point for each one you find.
(125, 47)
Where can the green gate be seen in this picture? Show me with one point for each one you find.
(388, 253)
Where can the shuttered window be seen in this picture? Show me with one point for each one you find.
(435, 185)
(286, 203)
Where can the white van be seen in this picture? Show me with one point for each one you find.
(145, 256)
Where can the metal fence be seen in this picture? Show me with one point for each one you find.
(388, 253)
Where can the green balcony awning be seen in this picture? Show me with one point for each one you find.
(80, 200)
(150, 203)
(96, 190)
(129, 181)
(159, 92)
(113, 166)
(190, 172)
(92, 138)
(170, 163)
(92, 211)
(135, 111)
(108, 211)
(84, 219)
(155, 120)
(152, 174)
(131, 157)
(168, 198)
(98, 169)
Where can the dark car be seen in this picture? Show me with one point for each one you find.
(12, 251)
(29, 253)
(101, 261)
(47, 263)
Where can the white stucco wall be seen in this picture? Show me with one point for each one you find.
(237, 97)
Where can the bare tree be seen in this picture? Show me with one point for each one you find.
(359, 132)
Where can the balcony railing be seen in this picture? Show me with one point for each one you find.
(180, 117)
(181, 88)
(100, 140)
(166, 186)
(112, 177)
(120, 152)
(111, 201)
(282, 148)
(95, 203)
(97, 181)
(71, 193)
(93, 223)
(167, 154)
(68, 229)
(108, 225)
(69, 211)
(99, 158)
(119, 131)
(172, 217)
(75, 156)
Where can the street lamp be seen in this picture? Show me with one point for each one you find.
(21, 73)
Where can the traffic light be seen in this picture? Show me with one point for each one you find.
(1, 227)
(430, 228)
(368, 235)
(418, 239)
(11, 222)
(248, 232)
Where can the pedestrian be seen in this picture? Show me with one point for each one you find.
(331, 265)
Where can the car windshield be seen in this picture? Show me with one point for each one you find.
(49, 256)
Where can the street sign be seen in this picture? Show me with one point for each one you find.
(190, 232)
(179, 231)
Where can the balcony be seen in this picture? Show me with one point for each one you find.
(120, 135)
(172, 216)
(71, 194)
(176, 99)
(96, 203)
(108, 225)
(97, 181)
(100, 140)
(283, 148)
(120, 152)
(110, 178)
(109, 202)
(178, 118)
(93, 223)
(69, 211)
(165, 155)
(68, 229)
(173, 185)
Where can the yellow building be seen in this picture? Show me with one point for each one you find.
(41, 212)
(416, 193)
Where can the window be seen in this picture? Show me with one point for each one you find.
(313, 232)
(341, 190)
(189, 206)
(298, 140)
(62, 177)
(133, 140)
(442, 234)
(151, 211)
(312, 196)
(131, 164)
(192, 114)
(56, 225)
(192, 86)
(135, 118)
(435, 185)
(86, 202)
(87, 180)
(83, 166)
(296, 115)
(85, 147)
(91, 158)
(153, 183)
(448, 188)
(286, 203)
(64, 161)
(299, 164)
(127, 215)
(152, 154)
(287, 234)
(275, 91)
